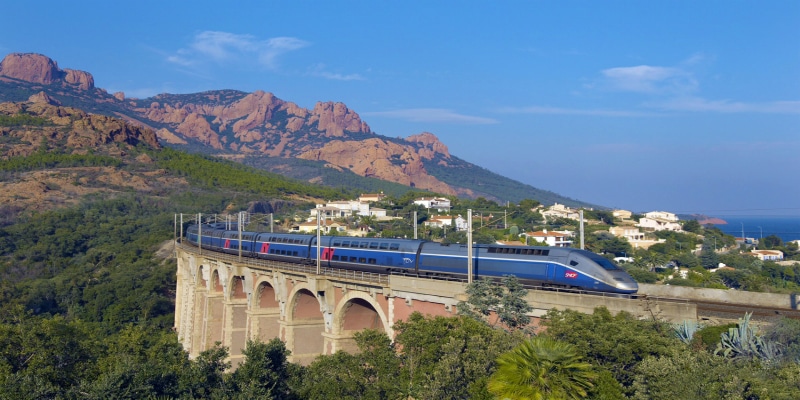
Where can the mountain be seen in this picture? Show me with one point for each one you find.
(329, 144)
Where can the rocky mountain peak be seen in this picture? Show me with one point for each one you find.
(335, 118)
(42, 97)
(430, 145)
(36, 68)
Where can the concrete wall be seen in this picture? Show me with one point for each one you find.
(721, 295)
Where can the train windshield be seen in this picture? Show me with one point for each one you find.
(604, 262)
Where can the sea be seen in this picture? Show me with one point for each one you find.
(785, 227)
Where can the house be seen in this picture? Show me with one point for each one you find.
(627, 232)
(371, 197)
(622, 214)
(339, 209)
(660, 221)
(325, 226)
(561, 211)
(441, 221)
(767, 255)
(555, 238)
(440, 204)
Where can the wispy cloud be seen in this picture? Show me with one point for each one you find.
(650, 79)
(319, 70)
(698, 104)
(438, 115)
(572, 111)
(222, 47)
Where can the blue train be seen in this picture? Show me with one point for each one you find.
(533, 265)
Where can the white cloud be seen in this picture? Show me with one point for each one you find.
(319, 71)
(432, 115)
(650, 79)
(697, 104)
(224, 47)
(572, 111)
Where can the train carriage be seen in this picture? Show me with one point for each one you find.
(533, 265)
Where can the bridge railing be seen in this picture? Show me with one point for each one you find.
(370, 277)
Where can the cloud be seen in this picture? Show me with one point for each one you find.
(223, 47)
(319, 71)
(697, 104)
(438, 115)
(572, 111)
(650, 79)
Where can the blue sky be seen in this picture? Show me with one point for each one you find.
(683, 106)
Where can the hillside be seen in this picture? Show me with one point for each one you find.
(262, 130)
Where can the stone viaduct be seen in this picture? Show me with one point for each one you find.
(227, 299)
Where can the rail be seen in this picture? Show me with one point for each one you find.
(371, 277)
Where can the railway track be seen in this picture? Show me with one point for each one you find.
(705, 309)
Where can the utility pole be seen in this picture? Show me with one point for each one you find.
(319, 263)
(469, 246)
(239, 228)
(415, 224)
(199, 234)
(582, 248)
(271, 222)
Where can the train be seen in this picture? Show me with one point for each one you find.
(551, 267)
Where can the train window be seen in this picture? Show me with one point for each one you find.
(373, 261)
(373, 245)
(384, 246)
(354, 244)
(362, 260)
(346, 243)
(337, 243)
(283, 252)
(573, 263)
(492, 250)
(364, 245)
(353, 259)
(335, 258)
(394, 246)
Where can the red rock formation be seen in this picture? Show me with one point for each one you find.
(36, 68)
(42, 97)
(430, 145)
(30, 67)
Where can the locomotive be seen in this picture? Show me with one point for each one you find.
(557, 267)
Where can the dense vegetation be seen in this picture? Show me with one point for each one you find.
(23, 120)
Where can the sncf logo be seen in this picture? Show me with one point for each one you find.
(571, 275)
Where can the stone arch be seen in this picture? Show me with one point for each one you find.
(237, 291)
(265, 312)
(216, 284)
(358, 310)
(304, 325)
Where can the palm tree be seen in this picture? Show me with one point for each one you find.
(541, 368)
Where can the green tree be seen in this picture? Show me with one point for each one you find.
(265, 373)
(692, 226)
(371, 373)
(492, 302)
(542, 368)
(449, 358)
(617, 343)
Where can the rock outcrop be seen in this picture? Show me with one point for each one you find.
(36, 68)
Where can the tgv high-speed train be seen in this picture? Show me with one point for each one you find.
(535, 265)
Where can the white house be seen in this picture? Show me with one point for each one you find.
(561, 211)
(660, 221)
(439, 204)
(767, 255)
(554, 238)
(441, 221)
(325, 227)
(622, 214)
